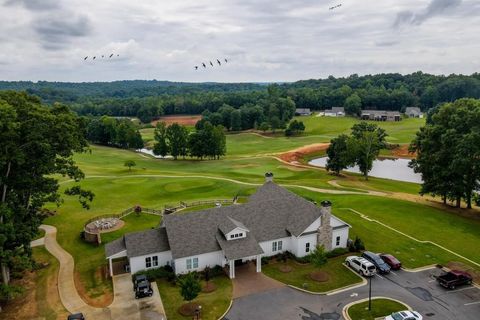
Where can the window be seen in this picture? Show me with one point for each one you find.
(195, 263)
(307, 247)
(155, 261)
(240, 235)
(231, 236)
(279, 245)
(274, 246)
(189, 264)
(148, 262)
(337, 242)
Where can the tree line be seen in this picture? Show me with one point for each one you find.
(206, 141)
(108, 131)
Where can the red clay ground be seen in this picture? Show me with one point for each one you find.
(295, 155)
(184, 120)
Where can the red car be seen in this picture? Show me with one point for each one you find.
(391, 261)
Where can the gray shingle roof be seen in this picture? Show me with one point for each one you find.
(239, 248)
(272, 212)
(229, 224)
(115, 247)
(146, 242)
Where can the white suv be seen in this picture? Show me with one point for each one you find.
(404, 315)
(361, 265)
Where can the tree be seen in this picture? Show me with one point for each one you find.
(177, 137)
(353, 105)
(264, 126)
(129, 164)
(275, 123)
(37, 144)
(189, 287)
(448, 151)
(160, 148)
(294, 127)
(318, 257)
(235, 120)
(339, 154)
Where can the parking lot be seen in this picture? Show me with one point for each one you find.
(419, 290)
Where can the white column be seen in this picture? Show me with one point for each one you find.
(232, 269)
(259, 263)
(111, 267)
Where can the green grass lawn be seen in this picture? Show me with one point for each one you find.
(133, 222)
(330, 127)
(213, 304)
(379, 308)
(339, 275)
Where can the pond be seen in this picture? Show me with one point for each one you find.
(394, 169)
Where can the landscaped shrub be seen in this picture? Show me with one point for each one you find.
(358, 243)
(264, 260)
(159, 273)
(337, 252)
(318, 257)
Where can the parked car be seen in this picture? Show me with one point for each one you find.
(454, 278)
(360, 265)
(137, 279)
(391, 261)
(76, 316)
(143, 289)
(374, 258)
(404, 315)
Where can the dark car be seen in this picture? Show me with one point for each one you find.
(454, 278)
(143, 289)
(381, 266)
(137, 279)
(391, 261)
(76, 316)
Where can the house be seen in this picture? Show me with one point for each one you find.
(413, 112)
(273, 221)
(303, 112)
(381, 115)
(335, 112)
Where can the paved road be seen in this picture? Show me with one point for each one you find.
(419, 290)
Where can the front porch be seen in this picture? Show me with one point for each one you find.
(232, 266)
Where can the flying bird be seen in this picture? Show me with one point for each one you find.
(211, 63)
(196, 67)
(94, 58)
(226, 60)
(102, 56)
(335, 7)
(219, 63)
(204, 65)
(111, 56)
(85, 58)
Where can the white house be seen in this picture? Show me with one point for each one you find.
(303, 112)
(273, 221)
(335, 112)
(413, 112)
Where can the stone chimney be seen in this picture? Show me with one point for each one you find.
(268, 177)
(325, 230)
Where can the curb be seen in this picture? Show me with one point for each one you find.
(345, 309)
(420, 269)
(228, 309)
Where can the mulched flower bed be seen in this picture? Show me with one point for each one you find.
(285, 268)
(188, 309)
(209, 287)
(319, 276)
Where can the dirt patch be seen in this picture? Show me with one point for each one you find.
(455, 265)
(25, 306)
(295, 155)
(319, 276)
(285, 269)
(402, 152)
(209, 287)
(184, 120)
(105, 297)
(188, 309)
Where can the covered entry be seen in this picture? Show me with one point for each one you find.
(116, 253)
(232, 265)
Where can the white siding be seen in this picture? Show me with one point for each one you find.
(313, 227)
(236, 231)
(138, 263)
(335, 222)
(343, 234)
(301, 244)
(267, 246)
(210, 259)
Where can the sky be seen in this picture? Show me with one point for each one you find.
(264, 41)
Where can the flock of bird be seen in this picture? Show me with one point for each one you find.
(211, 63)
(103, 56)
(335, 7)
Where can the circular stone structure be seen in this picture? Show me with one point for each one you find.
(104, 225)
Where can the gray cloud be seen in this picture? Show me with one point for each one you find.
(35, 5)
(434, 8)
(56, 32)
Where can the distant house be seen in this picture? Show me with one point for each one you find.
(335, 112)
(274, 220)
(303, 112)
(381, 115)
(413, 112)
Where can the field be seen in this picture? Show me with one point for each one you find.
(184, 120)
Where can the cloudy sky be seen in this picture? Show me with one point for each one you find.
(276, 40)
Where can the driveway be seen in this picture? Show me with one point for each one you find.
(248, 281)
(419, 290)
